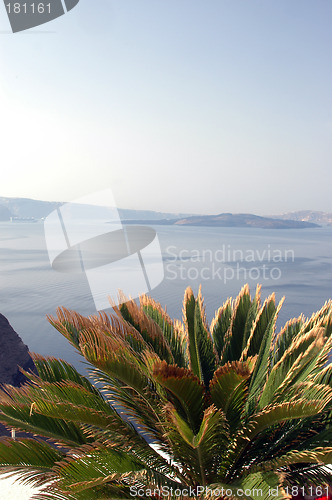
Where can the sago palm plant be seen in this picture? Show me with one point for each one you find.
(233, 410)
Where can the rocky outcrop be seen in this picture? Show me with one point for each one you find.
(13, 354)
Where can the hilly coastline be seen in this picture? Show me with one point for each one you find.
(37, 209)
(321, 218)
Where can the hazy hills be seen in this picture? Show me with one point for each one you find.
(26, 207)
(38, 209)
(321, 218)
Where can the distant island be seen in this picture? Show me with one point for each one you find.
(27, 210)
(231, 220)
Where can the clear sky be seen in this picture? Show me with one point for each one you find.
(201, 106)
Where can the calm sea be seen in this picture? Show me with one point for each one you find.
(294, 263)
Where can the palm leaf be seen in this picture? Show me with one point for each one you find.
(285, 337)
(185, 390)
(263, 362)
(316, 456)
(229, 388)
(149, 329)
(51, 369)
(259, 328)
(21, 418)
(27, 453)
(172, 331)
(237, 332)
(201, 348)
(295, 365)
(167, 403)
(278, 413)
(220, 325)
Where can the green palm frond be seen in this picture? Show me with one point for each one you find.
(149, 329)
(294, 366)
(220, 325)
(30, 456)
(316, 456)
(200, 344)
(172, 331)
(265, 314)
(51, 369)
(233, 404)
(240, 325)
(229, 390)
(23, 418)
(184, 390)
(263, 362)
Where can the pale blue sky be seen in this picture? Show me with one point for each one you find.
(179, 105)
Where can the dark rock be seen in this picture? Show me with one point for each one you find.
(13, 354)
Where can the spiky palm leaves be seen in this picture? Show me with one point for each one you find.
(177, 405)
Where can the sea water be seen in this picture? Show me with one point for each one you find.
(296, 264)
